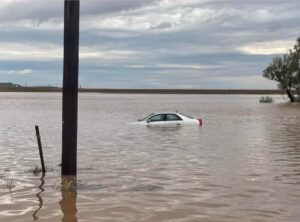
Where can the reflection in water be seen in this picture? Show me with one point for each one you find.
(40, 199)
(68, 202)
(287, 138)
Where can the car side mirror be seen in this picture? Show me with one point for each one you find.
(148, 120)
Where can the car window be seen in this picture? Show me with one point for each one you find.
(159, 117)
(173, 117)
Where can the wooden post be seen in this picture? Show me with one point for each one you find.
(70, 88)
(38, 137)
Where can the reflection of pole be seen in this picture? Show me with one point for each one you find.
(70, 88)
(38, 195)
(68, 207)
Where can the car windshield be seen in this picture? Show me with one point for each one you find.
(143, 119)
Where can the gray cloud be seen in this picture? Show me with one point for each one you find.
(163, 25)
(148, 43)
(41, 10)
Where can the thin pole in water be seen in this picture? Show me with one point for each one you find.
(70, 88)
(38, 137)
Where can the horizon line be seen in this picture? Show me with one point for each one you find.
(145, 91)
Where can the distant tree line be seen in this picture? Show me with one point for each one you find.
(286, 71)
(9, 85)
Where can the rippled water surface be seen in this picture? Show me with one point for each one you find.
(242, 165)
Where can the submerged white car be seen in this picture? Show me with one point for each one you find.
(168, 119)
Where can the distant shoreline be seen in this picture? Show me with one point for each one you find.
(151, 91)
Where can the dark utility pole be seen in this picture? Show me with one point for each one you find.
(70, 88)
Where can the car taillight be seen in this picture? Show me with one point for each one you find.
(200, 122)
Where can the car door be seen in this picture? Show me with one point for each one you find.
(173, 120)
(158, 119)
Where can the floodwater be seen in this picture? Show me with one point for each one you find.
(242, 165)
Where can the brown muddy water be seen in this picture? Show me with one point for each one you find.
(242, 165)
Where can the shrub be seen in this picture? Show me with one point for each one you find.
(266, 99)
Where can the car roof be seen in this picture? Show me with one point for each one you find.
(176, 113)
(165, 113)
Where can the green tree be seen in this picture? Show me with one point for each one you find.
(295, 67)
(285, 71)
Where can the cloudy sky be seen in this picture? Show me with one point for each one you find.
(149, 43)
